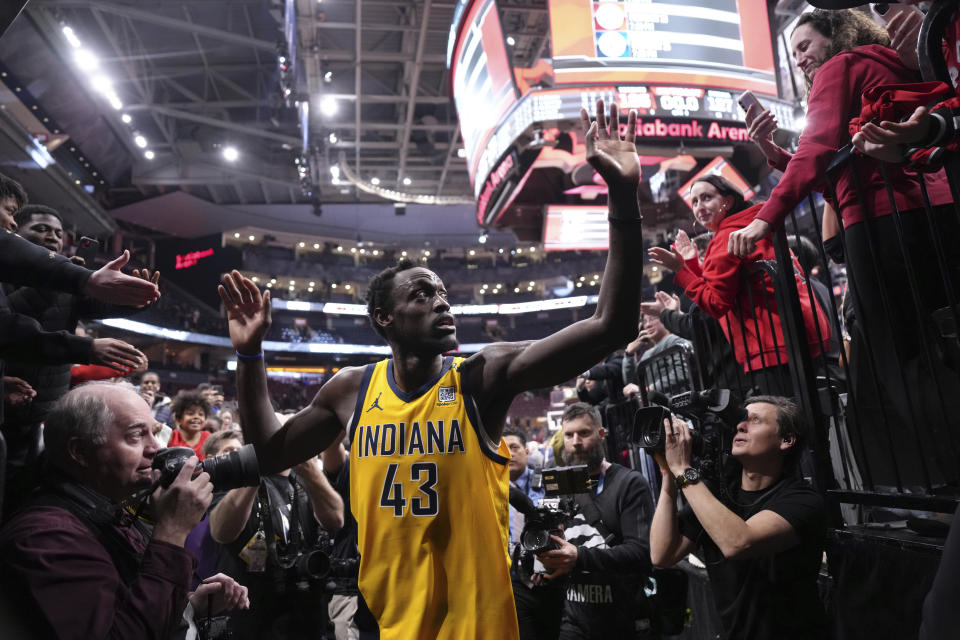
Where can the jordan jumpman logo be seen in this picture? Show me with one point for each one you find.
(376, 404)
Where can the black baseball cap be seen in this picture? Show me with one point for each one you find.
(837, 4)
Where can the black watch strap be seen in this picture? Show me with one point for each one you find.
(688, 477)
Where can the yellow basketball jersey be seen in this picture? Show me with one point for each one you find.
(430, 499)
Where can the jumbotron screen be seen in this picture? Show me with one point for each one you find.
(483, 86)
(721, 43)
(681, 65)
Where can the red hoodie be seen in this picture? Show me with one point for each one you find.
(716, 290)
(834, 101)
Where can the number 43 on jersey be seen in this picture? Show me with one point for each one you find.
(425, 503)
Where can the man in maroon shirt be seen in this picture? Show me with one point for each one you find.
(76, 564)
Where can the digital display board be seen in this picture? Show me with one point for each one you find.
(575, 228)
(721, 43)
(722, 168)
(196, 265)
(709, 115)
(483, 86)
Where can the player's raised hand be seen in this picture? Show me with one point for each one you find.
(248, 312)
(615, 159)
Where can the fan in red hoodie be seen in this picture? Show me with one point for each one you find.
(749, 319)
(893, 262)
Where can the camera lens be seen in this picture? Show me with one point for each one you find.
(235, 469)
(535, 540)
(313, 564)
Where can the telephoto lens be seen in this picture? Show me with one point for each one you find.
(229, 471)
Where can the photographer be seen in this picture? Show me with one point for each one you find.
(539, 603)
(348, 612)
(268, 533)
(762, 538)
(606, 556)
(76, 562)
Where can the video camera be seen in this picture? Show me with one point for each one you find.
(560, 485)
(714, 422)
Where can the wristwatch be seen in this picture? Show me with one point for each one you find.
(688, 477)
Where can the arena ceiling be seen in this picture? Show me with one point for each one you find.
(196, 76)
(199, 75)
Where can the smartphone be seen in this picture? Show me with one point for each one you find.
(747, 99)
(87, 249)
(885, 11)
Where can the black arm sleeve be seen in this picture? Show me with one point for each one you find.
(633, 553)
(677, 322)
(22, 338)
(629, 370)
(27, 264)
(607, 370)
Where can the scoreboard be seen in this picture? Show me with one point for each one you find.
(724, 43)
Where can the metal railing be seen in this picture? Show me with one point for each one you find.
(884, 417)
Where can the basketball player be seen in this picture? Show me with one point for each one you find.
(428, 468)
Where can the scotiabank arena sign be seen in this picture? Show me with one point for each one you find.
(688, 130)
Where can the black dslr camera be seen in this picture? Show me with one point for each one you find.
(304, 568)
(714, 420)
(301, 569)
(560, 484)
(230, 471)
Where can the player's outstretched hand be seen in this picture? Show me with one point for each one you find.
(248, 312)
(615, 159)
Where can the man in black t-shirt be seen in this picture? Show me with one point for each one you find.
(762, 538)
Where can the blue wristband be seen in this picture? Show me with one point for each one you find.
(244, 356)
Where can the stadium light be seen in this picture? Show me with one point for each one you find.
(328, 106)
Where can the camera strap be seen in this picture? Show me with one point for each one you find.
(102, 518)
(608, 527)
(268, 508)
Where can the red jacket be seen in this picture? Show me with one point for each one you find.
(834, 101)
(716, 289)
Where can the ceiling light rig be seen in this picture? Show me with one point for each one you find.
(346, 173)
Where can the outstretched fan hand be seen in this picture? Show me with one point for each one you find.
(248, 312)
(614, 159)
